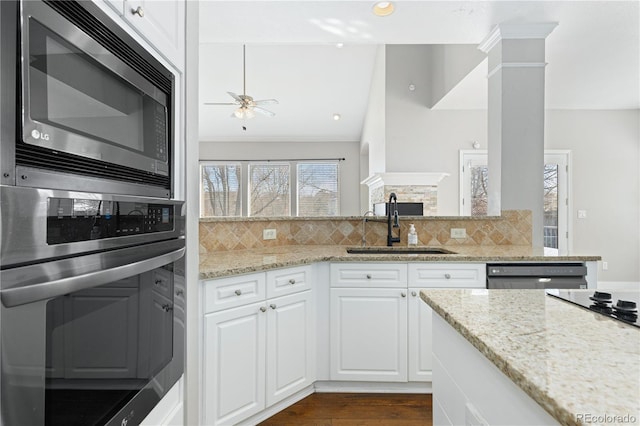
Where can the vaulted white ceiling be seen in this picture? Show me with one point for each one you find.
(593, 58)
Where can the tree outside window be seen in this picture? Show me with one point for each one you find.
(220, 195)
(292, 188)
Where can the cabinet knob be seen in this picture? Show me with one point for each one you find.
(368, 276)
(292, 281)
(238, 292)
(138, 11)
(272, 306)
(447, 276)
(414, 294)
(403, 294)
(263, 309)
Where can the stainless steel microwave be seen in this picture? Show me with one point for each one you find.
(90, 102)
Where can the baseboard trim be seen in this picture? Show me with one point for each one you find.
(373, 387)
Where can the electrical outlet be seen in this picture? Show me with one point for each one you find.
(605, 266)
(582, 214)
(458, 233)
(268, 234)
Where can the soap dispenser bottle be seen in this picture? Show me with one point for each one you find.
(412, 238)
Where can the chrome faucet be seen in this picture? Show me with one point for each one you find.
(396, 220)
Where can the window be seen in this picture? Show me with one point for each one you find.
(220, 190)
(473, 188)
(318, 189)
(270, 188)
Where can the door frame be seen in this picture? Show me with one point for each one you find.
(559, 156)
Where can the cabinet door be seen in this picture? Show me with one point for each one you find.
(290, 345)
(233, 364)
(162, 23)
(420, 349)
(368, 334)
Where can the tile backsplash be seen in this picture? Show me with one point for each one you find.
(221, 234)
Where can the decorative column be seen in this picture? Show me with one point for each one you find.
(516, 119)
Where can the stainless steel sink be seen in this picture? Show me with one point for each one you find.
(399, 250)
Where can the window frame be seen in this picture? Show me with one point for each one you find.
(245, 189)
(557, 156)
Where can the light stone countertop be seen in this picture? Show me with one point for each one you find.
(234, 262)
(568, 359)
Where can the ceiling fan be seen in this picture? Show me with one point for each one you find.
(247, 106)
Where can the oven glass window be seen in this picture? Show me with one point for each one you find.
(104, 344)
(70, 90)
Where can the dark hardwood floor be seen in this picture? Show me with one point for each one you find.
(349, 409)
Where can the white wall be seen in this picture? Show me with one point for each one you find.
(349, 168)
(372, 144)
(420, 139)
(605, 149)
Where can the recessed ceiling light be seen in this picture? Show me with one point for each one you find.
(337, 117)
(339, 45)
(383, 8)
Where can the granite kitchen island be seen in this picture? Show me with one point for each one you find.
(523, 357)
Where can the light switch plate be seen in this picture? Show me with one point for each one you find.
(582, 214)
(268, 234)
(458, 233)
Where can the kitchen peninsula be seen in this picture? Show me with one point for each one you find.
(533, 359)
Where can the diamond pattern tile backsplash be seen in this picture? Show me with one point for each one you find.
(512, 228)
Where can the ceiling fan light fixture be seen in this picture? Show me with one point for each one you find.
(383, 8)
(244, 112)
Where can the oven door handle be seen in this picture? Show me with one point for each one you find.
(119, 268)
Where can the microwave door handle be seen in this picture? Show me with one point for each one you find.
(49, 289)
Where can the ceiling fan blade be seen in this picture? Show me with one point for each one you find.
(266, 102)
(264, 111)
(220, 103)
(234, 96)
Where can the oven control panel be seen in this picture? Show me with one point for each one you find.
(71, 220)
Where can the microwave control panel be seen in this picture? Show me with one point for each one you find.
(72, 220)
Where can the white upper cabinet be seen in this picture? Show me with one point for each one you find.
(161, 23)
(117, 5)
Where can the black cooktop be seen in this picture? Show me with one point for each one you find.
(619, 305)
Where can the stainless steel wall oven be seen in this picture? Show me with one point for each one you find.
(92, 238)
(82, 98)
(92, 315)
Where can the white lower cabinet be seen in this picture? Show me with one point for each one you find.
(291, 345)
(420, 346)
(368, 329)
(257, 354)
(384, 334)
(234, 364)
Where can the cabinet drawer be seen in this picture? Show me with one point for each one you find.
(368, 275)
(447, 275)
(288, 281)
(233, 291)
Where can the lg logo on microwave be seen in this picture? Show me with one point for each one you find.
(37, 135)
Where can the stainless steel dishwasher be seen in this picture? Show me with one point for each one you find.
(536, 275)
